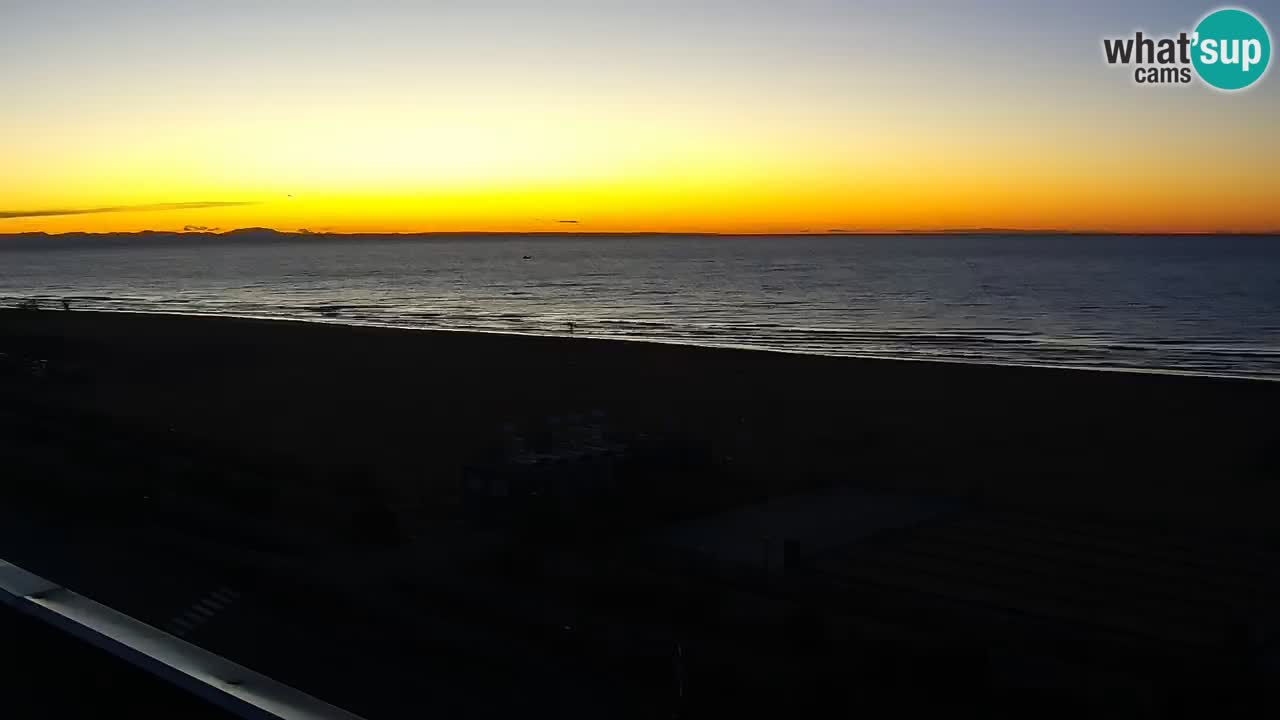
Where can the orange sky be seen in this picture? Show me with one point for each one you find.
(353, 123)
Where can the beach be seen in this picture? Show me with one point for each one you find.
(307, 412)
(639, 360)
(554, 515)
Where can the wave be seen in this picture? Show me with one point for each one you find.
(1213, 355)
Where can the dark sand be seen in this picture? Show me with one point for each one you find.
(1115, 546)
(297, 404)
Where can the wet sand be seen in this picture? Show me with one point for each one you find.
(297, 405)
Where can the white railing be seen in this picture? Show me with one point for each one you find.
(231, 687)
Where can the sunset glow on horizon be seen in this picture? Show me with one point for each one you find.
(617, 117)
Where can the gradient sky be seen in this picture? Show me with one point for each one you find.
(696, 115)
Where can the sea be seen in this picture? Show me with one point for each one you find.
(1201, 305)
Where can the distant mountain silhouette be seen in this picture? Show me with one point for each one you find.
(263, 234)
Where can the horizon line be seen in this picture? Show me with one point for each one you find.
(621, 233)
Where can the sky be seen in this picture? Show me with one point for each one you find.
(601, 115)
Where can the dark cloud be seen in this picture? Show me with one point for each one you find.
(568, 222)
(7, 214)
(199, 228)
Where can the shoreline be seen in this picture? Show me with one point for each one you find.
(1171, 372)
(298, 409)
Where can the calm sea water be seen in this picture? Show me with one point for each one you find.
(1207, 305)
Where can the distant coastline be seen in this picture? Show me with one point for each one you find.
(257, 233)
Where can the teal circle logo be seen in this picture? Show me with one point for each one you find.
(1232, 49)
